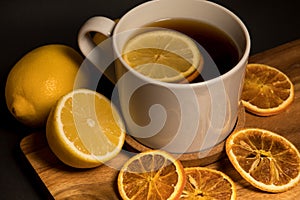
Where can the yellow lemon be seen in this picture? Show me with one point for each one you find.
(84, 129)
(38, 80)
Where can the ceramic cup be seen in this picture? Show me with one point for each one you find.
(179, 118)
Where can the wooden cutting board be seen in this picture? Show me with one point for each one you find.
(64, 182)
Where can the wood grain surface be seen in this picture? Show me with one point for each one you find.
(64, 182)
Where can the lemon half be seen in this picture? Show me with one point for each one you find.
(84, 129)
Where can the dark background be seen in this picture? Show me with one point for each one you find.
(25, 25)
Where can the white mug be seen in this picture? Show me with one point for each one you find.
(178, 118)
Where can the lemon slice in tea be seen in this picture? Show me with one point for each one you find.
(164, 55)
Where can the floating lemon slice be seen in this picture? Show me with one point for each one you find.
(151, 175)
(265, 159)
(267, 91)
(164, 55)
(84, 129)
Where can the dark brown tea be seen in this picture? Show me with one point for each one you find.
(220, 51)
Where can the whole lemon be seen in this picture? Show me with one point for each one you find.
(38, 80)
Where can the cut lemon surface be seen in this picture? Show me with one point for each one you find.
(265, 159)
(164, 55)
(151, 175)
(205, 183)
(267, 91)
(84, 129)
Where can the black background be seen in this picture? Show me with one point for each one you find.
(25, 25)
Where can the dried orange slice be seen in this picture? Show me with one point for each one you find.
(265, 159)
(206, 183)
(266, 91)
(151, 175)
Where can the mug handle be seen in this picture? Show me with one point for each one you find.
(86, 44)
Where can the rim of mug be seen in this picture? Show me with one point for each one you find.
(242, 61)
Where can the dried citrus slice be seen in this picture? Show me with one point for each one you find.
(164, 55)
(267, 91)
(84, 129)
(265, 159)
(206, 183)
(151, 175)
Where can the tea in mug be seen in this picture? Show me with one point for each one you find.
(217, 49)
